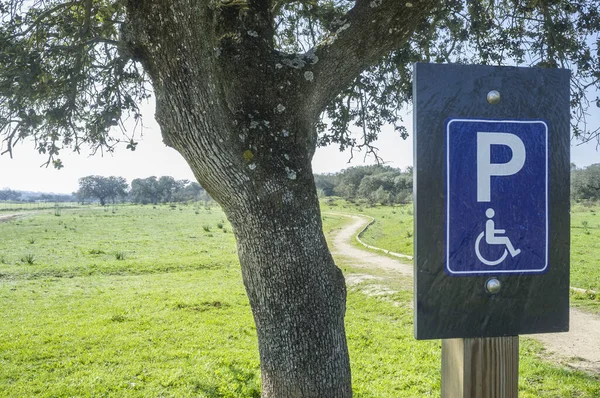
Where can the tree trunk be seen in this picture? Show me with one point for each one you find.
(297, 295)
(254, 158)
(296, 292)
(243, 115)
(259, 171)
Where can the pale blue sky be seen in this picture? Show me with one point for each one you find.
(152, 157)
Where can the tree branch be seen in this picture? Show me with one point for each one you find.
(43, 16)
(370, 30)
(103, 40)
(85, 29)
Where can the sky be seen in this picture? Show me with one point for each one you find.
(152, 157)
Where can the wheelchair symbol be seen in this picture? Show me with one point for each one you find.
(492, 237)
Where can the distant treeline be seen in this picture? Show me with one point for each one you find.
(8, 195)
(376, 184)
(387, 185)
(585, 182)
(150, 190)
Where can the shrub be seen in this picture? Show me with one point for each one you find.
(118, 318)
(586, 230)
(28, 259)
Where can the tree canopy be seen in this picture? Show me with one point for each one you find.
(102, 188)
(377, 184)
(9, 194)
(164, 189)
(69, 72)
(585, 182)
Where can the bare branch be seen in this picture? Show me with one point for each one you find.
(372, 29)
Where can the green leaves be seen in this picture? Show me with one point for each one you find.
(63, 82)
(506, 32)
(67, 79)
(132, 145)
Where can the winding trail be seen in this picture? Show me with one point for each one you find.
(13, 216)
(579, 348)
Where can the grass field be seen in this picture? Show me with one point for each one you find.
(122, 240)
(29, 206)
(393, 231)
(149, 302)
(585, 250)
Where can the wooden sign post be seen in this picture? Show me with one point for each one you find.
(492, 172)
(480, 367)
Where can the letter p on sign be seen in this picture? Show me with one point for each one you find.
(486, 169)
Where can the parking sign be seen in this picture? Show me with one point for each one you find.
(491, 215)
(496, 191)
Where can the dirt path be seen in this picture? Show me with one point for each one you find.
(578, 348)
(10, 217)
(362, 258)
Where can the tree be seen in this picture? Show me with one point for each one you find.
(145, 190)
(325, 184)
(102, 188)
(585, 182)
(9, 194)
(165, 189)
(169, 187)
(241, 87)
(381, 196)
(403, 186)
(193, 192)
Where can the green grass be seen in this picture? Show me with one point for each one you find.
(388, 362)
(128, 335)
(131, 240)
(28, 206)
(393, 229)
(585, 265)
(393, 226)
(585, 246)
(171, 319)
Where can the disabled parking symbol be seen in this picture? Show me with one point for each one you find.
(493, 237)
(496, 196)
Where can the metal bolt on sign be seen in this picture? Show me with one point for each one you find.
(493, 97)
(493, 286)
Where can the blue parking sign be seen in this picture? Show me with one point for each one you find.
(496, 187)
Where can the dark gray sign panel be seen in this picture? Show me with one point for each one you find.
(492, 173)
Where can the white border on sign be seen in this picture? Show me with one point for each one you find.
(482, 272)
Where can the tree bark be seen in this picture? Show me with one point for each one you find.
(296, 292)
(297, 295)
(243, 116)
(251, 149)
